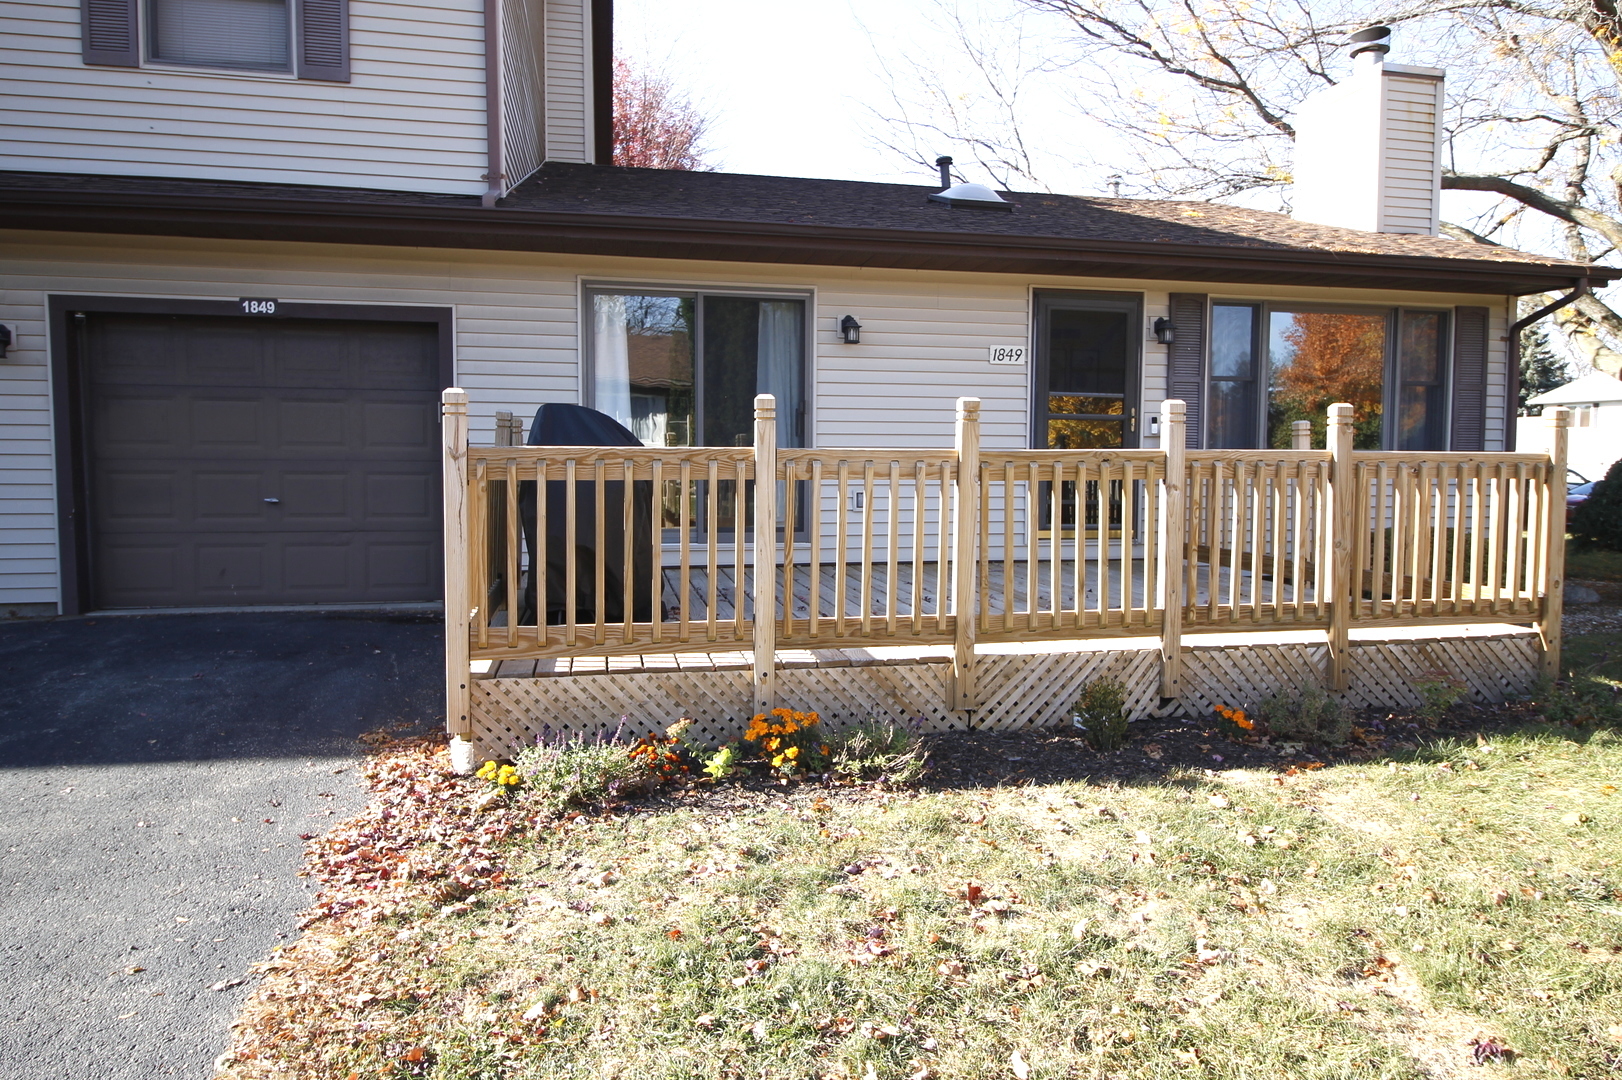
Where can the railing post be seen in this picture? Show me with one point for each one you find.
(1554, 505)
(1342, 521)
(965, 544)
(1173, 545)
(458, 715)
(765, 561)
(1301, 435)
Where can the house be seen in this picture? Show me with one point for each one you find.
(245, 245)
(1595, 401)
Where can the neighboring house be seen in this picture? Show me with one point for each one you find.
(245, 243)
(1595, 401)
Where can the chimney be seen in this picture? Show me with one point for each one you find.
(1368, 150)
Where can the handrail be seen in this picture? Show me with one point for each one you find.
(555, 551)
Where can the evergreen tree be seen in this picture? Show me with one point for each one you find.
(1541, 369)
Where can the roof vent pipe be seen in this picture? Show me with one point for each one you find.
(1371, 42)
(944, 164)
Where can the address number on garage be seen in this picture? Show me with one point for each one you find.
(1006, 354)
(257, 306)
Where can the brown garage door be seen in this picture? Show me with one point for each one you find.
(235, 462)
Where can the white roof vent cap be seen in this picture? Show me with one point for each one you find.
(966, 196)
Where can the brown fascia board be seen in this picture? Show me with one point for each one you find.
(473, 228)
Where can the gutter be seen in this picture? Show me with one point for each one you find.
(448, 222)
(1510, 429)
(492, 105)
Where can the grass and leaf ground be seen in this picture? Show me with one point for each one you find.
(1450, 909)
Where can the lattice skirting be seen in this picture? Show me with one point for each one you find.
(1015, 690)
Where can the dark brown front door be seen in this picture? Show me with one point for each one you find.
(235, 462)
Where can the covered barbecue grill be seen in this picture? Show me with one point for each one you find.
(576, 425)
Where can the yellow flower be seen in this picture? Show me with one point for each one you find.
(778, 760)
(792, 752)
(773, 743)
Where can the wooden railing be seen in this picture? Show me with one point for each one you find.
(604, 551)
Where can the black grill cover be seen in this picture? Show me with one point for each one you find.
(576, 425)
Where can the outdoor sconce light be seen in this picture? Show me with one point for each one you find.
(851, 329)
(1163, 332)
(5, 340)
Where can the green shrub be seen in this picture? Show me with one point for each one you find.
(723, 763)
(877, 751)
(578, 771)
(1597, 522)
(1310, 715)
(1439, 691)
(1100, 714)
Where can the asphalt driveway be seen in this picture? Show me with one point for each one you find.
(156, 774)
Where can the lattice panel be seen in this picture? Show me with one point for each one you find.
(1383, 674)
(1243, 676)
(510, 713)
(899, 693)
(1015, 690)
(1038, 689)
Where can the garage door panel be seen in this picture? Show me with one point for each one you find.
(401, 496)
(219, 423)
(318, 495)
(314, 425)
(146, 497)
(219, 497)
(407, 567)
(322, 567)
(232, 570)
(130, 421)
(221, 355)
(336, 423)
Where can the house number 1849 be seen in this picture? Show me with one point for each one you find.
(258, 307)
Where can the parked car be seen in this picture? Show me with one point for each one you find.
(1575, 496)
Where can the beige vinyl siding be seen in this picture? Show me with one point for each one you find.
(568, 81)
(1412, 154)
(28, 561)
(411, 119)
(517, 327)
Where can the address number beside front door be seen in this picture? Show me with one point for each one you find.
(257, 307)
(1006, 354)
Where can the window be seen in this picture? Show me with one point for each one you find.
(309, 39)
(252, 34)
(683, 369)
(1272, 365)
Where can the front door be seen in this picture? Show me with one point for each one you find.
(1084, 392)
(1085, 382)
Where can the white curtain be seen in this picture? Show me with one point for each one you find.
(778, 368)
(611, 358)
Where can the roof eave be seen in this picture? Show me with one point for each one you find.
(513, 229)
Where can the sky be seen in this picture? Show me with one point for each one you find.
(790, 85)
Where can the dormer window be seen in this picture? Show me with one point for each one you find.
(250, 34)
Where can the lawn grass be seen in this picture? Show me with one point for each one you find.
(1397, 919)
(1592, 564)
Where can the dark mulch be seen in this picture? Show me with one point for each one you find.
(1159, 747)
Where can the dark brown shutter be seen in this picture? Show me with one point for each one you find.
(323, 40)
(1185, 360)
(109, 32)
(1469, 420)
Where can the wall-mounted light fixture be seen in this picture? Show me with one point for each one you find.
(851, 330)
(5, 340)
(1164, 332)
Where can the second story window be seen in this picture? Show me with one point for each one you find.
(248, 36)
(252, 34)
